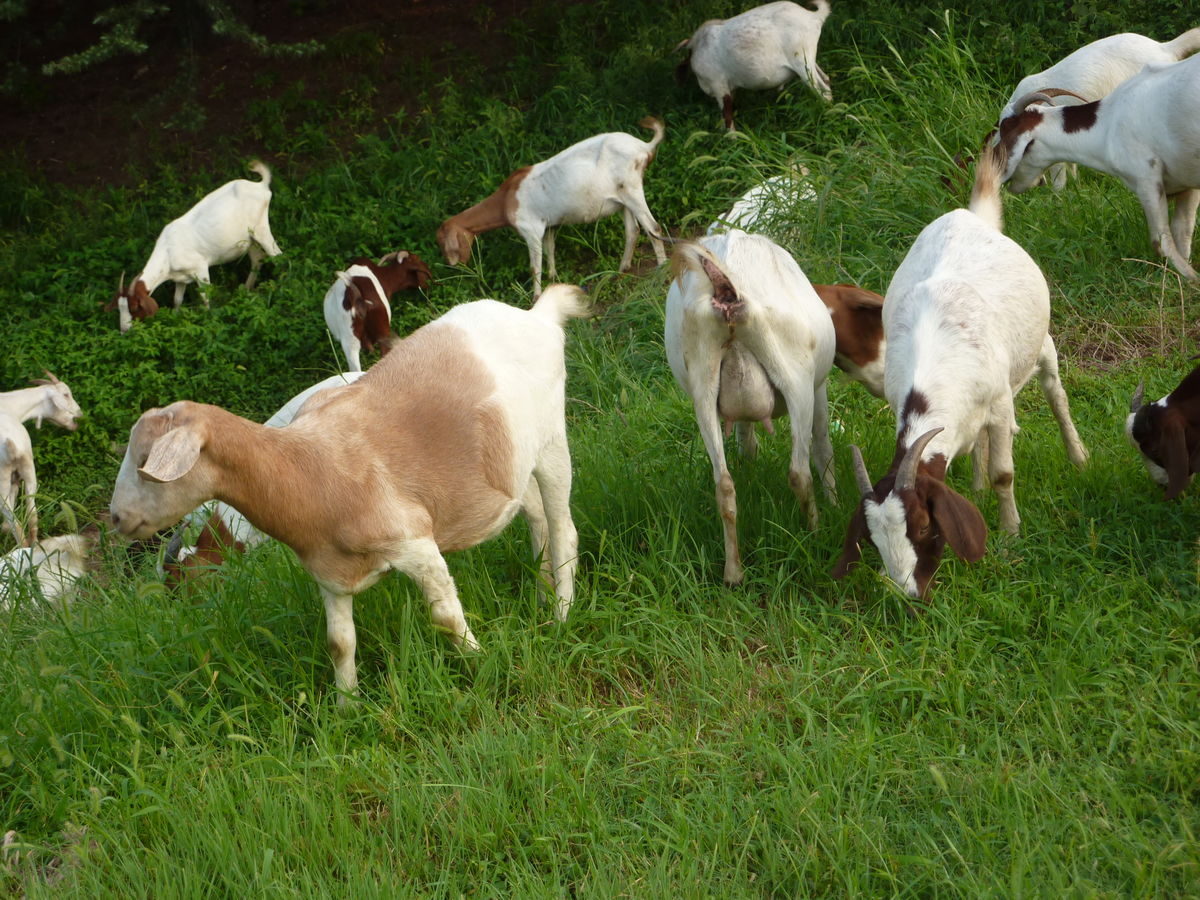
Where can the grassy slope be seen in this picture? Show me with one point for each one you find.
(1034, 733)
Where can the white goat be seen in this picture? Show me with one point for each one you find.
(748, 340)
(436, 448)
(966, 319)
(588, 181)
(1146, 132)
(764, 47)
(56, 563)
(1093, 71)
(766, 201)
(224, 226)
(49, 399)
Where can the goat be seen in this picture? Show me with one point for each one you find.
(221, 527)
(1146, 132)
(858, 327)
(435, 449)
(765, 201)
(1167, 434)
(588, 181)
(1093, 71)
(225, 225)
(966, 319)
(357, 307)
(764, 47)
(748, 339)
(56, 563)
(49, 399)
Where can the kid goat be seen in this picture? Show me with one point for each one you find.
(1167, 434)
(748, 340)
(587, 181)
(1146, 132)
(225, 225)
(435, 449)
(764, 47)
(357, 307)
(966, 320)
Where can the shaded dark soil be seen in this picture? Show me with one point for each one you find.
(193, 95)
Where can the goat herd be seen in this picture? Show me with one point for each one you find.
(464, 419)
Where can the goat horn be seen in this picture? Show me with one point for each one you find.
(50, 375)
(860, 473)
(906, 474)
(1063, 92)
(1036, 96)
(1136, 403)
(121, 283)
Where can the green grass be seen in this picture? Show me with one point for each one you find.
(1035, 732)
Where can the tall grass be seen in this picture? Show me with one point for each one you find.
(1033, 733)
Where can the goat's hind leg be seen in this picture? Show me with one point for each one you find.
(553, 481)
(1183, 221)
(534, 512)
(1052, 388)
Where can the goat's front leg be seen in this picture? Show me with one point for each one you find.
(421, 561)
(180, 287)
(29, 478)
(631, 233)
(256, 259)
(533, 239)
(202, 283)
(979, 461)
(1000, 465)
(549, 241)
(340, 636)
(1053, 391)
(1149, 189)
(1183, 221)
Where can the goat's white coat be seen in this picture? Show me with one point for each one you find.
(202, 452)
(1146, 133)
(56, 563)
(786, 336)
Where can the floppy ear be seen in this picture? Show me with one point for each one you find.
(851, 553)
(960, 523)
(1175, 455)
(172, 455)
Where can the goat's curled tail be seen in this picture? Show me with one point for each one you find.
(257, 165)
(985, 195)
(560, 302)
(656, 125)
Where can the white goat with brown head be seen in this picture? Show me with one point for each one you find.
(966, 319)
(435, 449)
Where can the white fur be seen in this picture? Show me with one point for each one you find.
(57, 564)
(770, 198)
(888, 527)
(764, 47)
(50, 400)
(787, 334)
(1146, 133)
(358, 513)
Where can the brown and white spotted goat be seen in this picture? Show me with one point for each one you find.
(1167, 434)
(358, 310)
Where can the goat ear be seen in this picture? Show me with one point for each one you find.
(851, 553)
(960, 523)
(1176, 459)
(173, 455)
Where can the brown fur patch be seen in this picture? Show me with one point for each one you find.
(1080, 118)
(857, 320)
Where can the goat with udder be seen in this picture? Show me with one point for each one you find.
(1146, 132)
(749, 340)
(435, 449)
(57, 564)
(1167, 434)
(222, 528)
(764, 47)
(966, 319)
(358, 310)
(1093, 71)
(588, 181)
(49, 399)
(225, 225)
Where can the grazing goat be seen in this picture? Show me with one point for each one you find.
(49, 399)
(1092, 71)
(966, 320)
(585, 182)
(435, 449)
(357, 307)
(858, 325)
(225, 225)
(55, 563)
(221, 527)
(748, 340)
(1167, 434)
(764, 47)
(764, 202)
(1146, 132)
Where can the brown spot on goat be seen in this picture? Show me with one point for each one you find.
(1079, 118)
(857, 319)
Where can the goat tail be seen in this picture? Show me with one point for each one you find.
(985, 195)
(655, 124)
(257, 165)
(821, 8)
(560, 302)
(1184, 45)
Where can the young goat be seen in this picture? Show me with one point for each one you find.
(221, 527)
(1093, 71)
(357, 307)
(49, 399)
(1146, 132)
(56, 563)
(748, 340)
(966, 320)
(435, 449)
(764, 47)
(585, 182)
(1167, 434)
(225, 225)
